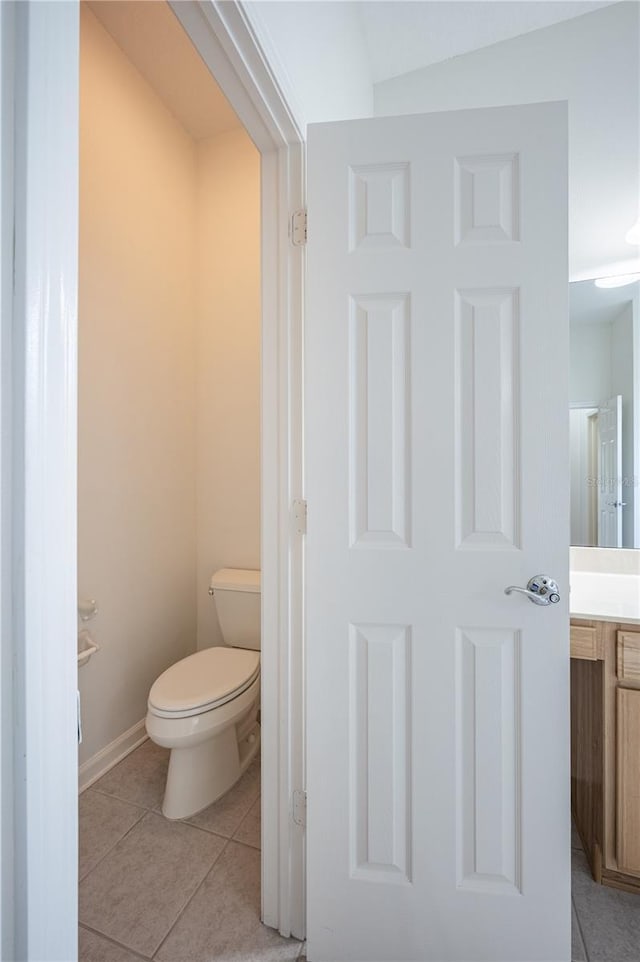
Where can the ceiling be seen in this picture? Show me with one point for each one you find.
(589, 304)
(404, 36)
(155, 42)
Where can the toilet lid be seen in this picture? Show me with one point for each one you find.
(204, 680)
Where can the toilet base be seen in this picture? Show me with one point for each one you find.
(201, 774)
(209, 751)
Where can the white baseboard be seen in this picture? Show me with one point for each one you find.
(100, 763)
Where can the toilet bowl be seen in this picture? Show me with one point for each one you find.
(205, 707)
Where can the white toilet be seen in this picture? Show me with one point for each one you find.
(205, 707)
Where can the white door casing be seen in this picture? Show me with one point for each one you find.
(7, 267)
(437, 466)
(229, 46)
(42, 874)
(610, 473)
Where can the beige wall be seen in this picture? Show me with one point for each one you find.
(169, 368)
(228, 477)
(136, 389)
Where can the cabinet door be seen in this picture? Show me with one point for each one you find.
(628, 788)
(628, 657)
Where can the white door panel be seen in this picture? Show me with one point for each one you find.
(610, 473)
(437, 474)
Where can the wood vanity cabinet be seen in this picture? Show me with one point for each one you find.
(605, 748)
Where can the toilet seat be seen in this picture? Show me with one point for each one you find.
(203, 681)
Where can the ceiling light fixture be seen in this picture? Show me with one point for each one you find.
(617, 280)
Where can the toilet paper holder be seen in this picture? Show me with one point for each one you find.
(87, 646)
(87, 609)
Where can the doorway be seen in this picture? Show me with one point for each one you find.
(169, 460)
(46, 914)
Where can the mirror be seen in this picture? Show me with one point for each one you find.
(604, 325)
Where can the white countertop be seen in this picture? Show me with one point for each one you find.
(600, 596)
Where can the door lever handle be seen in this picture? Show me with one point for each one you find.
(541, 590)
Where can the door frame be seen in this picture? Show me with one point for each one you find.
(39, 877)
(223, 36)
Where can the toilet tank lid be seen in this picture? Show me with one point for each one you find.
(236, 579)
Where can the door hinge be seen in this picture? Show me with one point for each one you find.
(298, 229)
(299, 808)
(299, 516)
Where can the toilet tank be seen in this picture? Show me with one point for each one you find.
(236, 592)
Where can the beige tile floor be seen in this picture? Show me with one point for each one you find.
(185, 891)
(606, 922)
(190, 891)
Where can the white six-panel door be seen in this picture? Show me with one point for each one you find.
(610, 473)
(436, 354)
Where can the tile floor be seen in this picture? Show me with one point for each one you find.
(606, 922)
(185, 891)
(190, 891)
